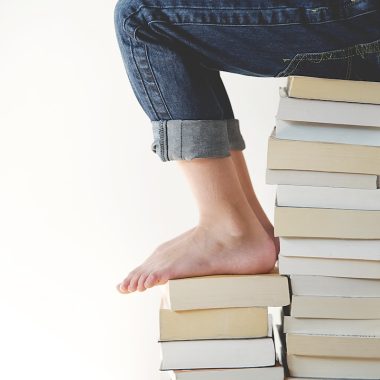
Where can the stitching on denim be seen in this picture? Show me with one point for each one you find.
(161, 139)
(349, 52)
(350, 4)
(349, 66)
(291, 69)
(142, 81)
(155, 81)
(265, 25)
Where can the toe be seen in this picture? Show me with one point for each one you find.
(140, 284)
(134, 281)
(123, 286)
(156, 278)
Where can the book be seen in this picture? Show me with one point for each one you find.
(330, 112)
(316, 178)
(328, 197)
(355, 249)
(335, 307)
(221, 323)
(326, 223)
(224, 291)
(217, 353)
(333, 346)
(322, 156)
(267, 373)
(338, 368)
(335, 133)
(313, 266)
(339, 90)
(334, 286)
(343, 327)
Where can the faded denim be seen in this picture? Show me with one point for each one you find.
(174, 50)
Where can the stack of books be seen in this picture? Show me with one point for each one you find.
(324, 157)
(218, 327)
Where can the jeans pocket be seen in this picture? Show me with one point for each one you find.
(356, 62)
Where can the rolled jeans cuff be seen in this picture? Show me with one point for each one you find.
(189, 139)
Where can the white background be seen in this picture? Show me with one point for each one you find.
(83, 200)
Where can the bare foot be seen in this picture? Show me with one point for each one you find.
(205, 250)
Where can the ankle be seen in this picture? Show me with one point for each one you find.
(235, 220)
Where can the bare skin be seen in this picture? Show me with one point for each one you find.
(233, 235)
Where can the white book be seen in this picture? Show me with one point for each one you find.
(328, 197)
(334, 286)
(335, 133)
(330, 112)
(341, 327)
(329, 267)
(217, 353)
(317, 178)
(329, 248)
(267, 373)
(335, 307)
(338, 368)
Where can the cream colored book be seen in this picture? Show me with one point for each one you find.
(338, 90)
(326, 223)
(341, 327)
(322, 156)
(335, 307)
(334, 368)
(333, 346)
(314, 266)
(225, 323)
(224, 291)
(315, 178)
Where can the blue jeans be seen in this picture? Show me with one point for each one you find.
(174, 50)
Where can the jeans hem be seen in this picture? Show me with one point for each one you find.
(178, 139)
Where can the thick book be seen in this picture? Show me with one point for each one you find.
(223, 323)
(335, 133)
(354, 249)
(335, 307)
(302, 285)
(341, 327)
(322, 156)
(316, 178)
(339, 90)
(312, 266)
(333, 368)
(326, 223)
(224, 291)
(217, 353)
(260, 373)
(328, 197)
(333, 346)
(330, 112)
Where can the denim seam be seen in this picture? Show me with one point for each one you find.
(349, 67)
(264, 25)
(325, 56)
(350, 4)
(141, 78)
(155, 81)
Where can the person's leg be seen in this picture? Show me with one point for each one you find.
(229, 238)
(246, 183)
(171, 50)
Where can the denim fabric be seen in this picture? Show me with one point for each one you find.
(174, 50)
